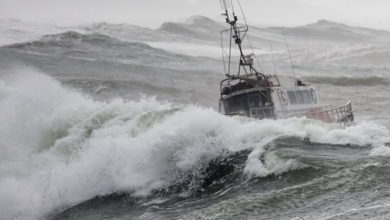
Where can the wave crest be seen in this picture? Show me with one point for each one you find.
(67, 148)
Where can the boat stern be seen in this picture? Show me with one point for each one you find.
(342, 114)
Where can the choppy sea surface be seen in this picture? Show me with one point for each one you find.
(96, 124)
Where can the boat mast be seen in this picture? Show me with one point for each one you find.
(237, 33)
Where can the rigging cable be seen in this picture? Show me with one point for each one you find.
(230, 49)
(243, 15)
(242, 12)
(249, 40)
(289, 53)
(273, 60)
(223, 4)
(223, 54)
(253, 50)
(231, 4)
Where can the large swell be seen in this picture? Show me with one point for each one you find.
(61, 148)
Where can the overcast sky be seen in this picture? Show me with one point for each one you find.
(151, 13)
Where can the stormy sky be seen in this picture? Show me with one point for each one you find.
(151, 13)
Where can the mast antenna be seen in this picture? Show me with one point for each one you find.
(224, 5)
(237, 34)
(273, 61)
(289, 54)
(249, 40)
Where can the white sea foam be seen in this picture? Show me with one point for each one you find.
(270, 164)
(59, 147)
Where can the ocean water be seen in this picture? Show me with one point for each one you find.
(94, 126)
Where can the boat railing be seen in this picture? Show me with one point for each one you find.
(342, 114)
(262, 112)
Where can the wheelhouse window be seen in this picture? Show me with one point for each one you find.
(306, 97)
(313, 96)
(301, 97)
(243, 103)
(254, 100)
(237, 104)
(292, 98)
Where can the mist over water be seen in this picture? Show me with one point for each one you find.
(99, 124)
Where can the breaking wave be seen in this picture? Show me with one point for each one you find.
(350, 81)
(59, 148)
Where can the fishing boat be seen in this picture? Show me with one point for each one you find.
(250, 93)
